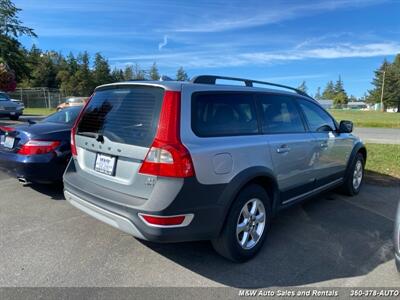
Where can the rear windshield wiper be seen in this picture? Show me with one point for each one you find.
(31, 122)
(98, 136)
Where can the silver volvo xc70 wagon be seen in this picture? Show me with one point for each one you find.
(177, 161)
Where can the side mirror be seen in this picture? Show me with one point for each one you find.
(345, 126)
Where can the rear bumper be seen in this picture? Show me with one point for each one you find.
(4, 113)
(41, 168)
(103, 215)
(123, 211)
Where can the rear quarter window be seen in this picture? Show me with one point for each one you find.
(125, 114)
(223, 114)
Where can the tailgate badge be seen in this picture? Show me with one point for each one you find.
(150, 182)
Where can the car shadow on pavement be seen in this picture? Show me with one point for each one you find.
(54, 191)
(325, 238)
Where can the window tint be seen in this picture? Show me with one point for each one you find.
(218, 114)
(124, 115)
(280, 115)
(317, 118)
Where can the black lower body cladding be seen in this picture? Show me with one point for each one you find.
(193, 198)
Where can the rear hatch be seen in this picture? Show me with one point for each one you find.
(114, 135)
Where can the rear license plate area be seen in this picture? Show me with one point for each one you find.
(9, 142)
(105, 164)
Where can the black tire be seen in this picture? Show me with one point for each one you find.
(397, 265)
(14, 118)
(348, 187)
(227, 243)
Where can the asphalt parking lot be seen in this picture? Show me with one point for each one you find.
(331, 240)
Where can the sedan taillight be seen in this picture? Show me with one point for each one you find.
(6, 128)
(34, 147)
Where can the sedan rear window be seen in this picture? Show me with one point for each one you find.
(124, 114)
(65, 116)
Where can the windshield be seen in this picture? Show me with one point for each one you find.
(65, 116)
(4, 97)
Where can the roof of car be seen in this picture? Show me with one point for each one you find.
(177, 86)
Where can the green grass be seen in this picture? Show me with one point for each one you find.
(383, 159)
(368, 118)
(38, 111)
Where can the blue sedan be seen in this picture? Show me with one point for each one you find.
(38, 152)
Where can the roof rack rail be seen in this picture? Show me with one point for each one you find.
(211, 79)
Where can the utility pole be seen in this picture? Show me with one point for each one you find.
(383, 87)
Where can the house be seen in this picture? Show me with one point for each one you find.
(356, 105)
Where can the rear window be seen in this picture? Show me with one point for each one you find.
(223, 114)
(65, 116)
(127, 115)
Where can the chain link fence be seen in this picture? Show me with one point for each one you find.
(38, 97)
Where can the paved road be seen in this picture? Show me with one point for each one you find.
(330, 241)
(379, 135)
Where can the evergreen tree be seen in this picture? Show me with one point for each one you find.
(117, 75)
(83, 77)
(340, 97)
(138, 73)
(10, 25)
(181, 75)
(303, 87)
(391, 96)
(128, 73)
(66, 75)
(154, 75)
(44, 72)
(12, 54)
(374, 95)
(101, 72)
(329, 91)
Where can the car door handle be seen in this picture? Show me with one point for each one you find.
(324, 144)
(283, 149)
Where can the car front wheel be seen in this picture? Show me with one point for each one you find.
(246, 226)
(354, 179)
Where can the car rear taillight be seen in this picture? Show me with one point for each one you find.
(34, 147)
(167, 155)
(74, 151)
(6, 128)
